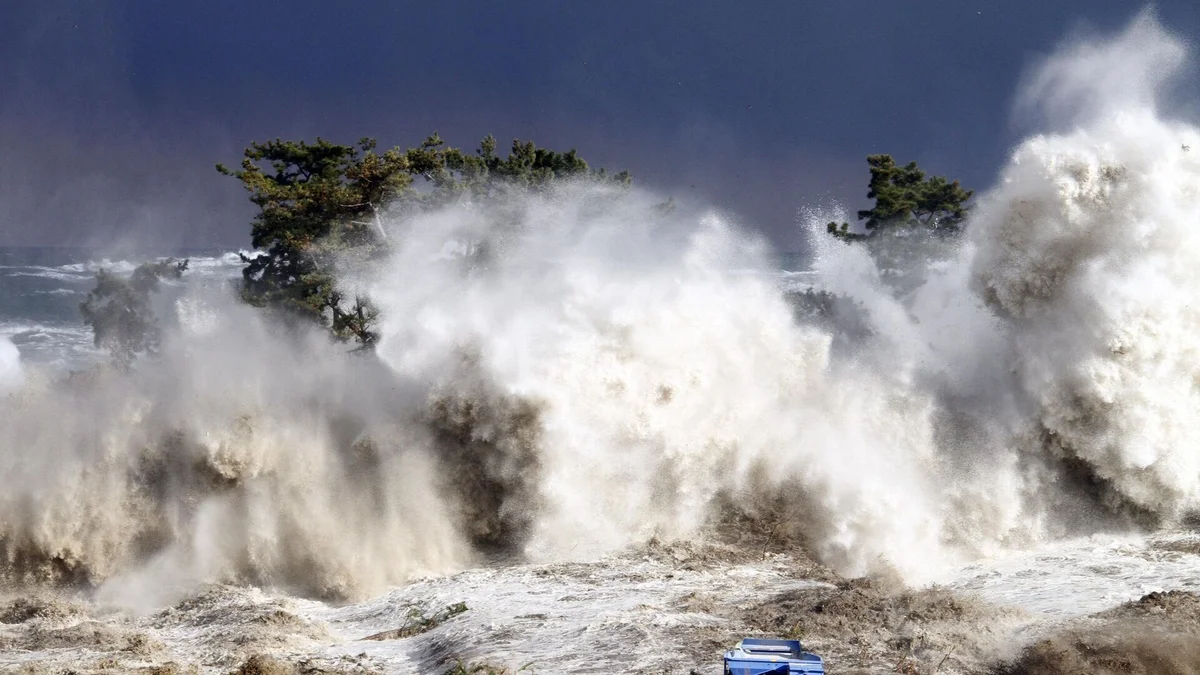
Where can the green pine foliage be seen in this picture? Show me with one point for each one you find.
(905, 198)
(318, 200)
(915, 220)
(118, 309)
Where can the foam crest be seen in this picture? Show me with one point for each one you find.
(663, 378)
(566, 372)
(10, 366)
(1089, 79)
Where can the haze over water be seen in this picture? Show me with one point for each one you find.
(1022, 426)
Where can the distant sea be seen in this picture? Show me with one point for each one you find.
(41, 289)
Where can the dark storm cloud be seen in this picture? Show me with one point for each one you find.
(114, 113)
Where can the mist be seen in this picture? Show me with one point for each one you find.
(562, 375)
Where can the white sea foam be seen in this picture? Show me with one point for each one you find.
(563, 374)
(10, 366)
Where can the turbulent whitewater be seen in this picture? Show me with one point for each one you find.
(563, 376)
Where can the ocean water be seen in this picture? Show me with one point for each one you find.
(41, 289)
(1021, 427)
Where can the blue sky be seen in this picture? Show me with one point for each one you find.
(112, 114)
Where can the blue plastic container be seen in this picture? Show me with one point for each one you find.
(754, 656)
